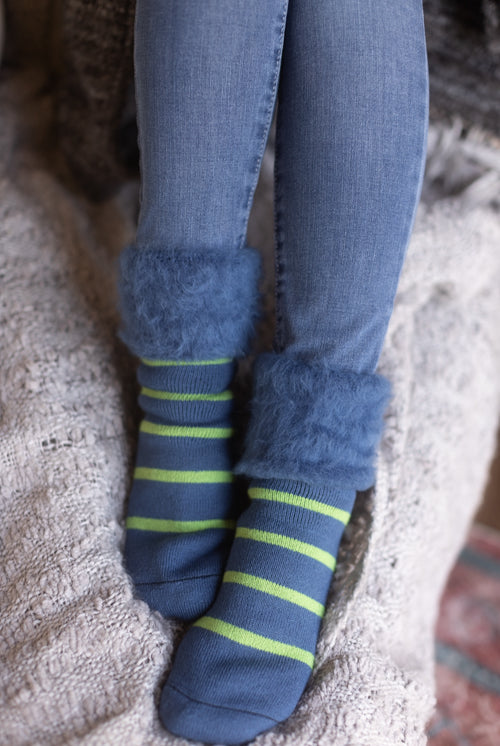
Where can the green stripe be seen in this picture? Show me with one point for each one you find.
(260, 493)
(180, 527)
(156, 363)
(185, 432)
(178, 396)
(274, 589)
(287, 543)
(252, 640)
(187, 477)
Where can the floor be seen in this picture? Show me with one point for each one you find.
(489, 512)
(468, 635)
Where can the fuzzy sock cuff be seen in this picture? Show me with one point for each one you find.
(313, 424)
(188, 306)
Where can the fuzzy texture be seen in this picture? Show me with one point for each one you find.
(188, 306)
(313, 424)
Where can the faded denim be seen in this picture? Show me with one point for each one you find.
(350, 81)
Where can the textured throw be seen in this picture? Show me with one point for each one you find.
(83, 660)
(463, 46)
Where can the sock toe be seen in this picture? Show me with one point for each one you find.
(183, 599)
(186, 717)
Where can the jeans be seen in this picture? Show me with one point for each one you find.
(350, 82)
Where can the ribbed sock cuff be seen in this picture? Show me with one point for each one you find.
(188, 306)
(313, 424)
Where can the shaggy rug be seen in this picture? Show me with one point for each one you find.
(83, 660)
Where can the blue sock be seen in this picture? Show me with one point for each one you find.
(188, 315)
(182, 512)
(242, 667)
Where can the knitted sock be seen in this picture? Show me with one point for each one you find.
(188, 316)
(182, 512)
(242, 667)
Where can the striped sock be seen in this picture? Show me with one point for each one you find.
(242, 667)
(181, 512)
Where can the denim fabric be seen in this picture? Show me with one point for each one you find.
(350, 81)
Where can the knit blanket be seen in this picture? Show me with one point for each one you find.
(83, 660)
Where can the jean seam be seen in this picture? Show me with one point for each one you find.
(278, 50)
(278, 250)
(416, 175)
(423, 114)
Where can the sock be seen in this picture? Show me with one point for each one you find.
(181, 512)
(242, 667)
(188, 315)
(310, 446)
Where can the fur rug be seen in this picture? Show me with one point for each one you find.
(82, 659)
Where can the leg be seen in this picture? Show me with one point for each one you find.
(350, 156)
(352, 122)
(206, 78)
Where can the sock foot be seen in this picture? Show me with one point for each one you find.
(182, 510)
(242, 667)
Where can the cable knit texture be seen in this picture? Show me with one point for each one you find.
(188, 306)
(83, 661)
(313, 424)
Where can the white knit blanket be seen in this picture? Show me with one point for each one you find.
(83, 661)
